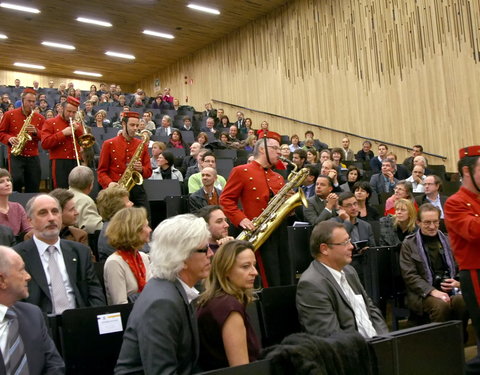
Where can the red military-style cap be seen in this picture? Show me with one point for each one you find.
(131, 114)
(469, 151)
(272, 135)
(29, 91)
(73, 101)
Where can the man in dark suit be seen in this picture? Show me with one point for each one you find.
(208, 194)
(322, 206)
(385, 181)
(308, 186)
(162, 335)
(62, 272)
(330, 297)
(433, 186)
(26, 342)
(166, 128)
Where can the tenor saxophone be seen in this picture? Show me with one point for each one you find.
(277, 209)
(23, 137)
(132, 177)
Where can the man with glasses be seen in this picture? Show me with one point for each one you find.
(433, 185)
(430, 272)
(330, 297)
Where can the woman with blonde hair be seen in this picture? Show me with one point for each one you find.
(127, 270)
(226, 335)
(394, 228)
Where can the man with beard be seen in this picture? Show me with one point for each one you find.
(217, 225)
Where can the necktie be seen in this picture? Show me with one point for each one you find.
(59, 293)
(15, 358)
(347, 290)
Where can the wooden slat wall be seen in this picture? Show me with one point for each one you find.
(404, 71)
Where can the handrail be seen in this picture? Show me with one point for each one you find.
(327, 128)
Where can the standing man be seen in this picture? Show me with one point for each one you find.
(462, 218)
(253, 185)
(117, 153)
(348, 154)
(57, 137)
(26, 347)
(25, 167)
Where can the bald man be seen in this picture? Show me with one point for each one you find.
(208, 194)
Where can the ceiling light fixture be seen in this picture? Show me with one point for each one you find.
(58, 45)
(25, 65)
(91, 74)
(3, 36)
(94, 22)
(203, 9)
(160, 35)
(19, 7)
(118, 54)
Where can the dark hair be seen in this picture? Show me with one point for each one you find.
(62, 195)
(224, 116)
(426, 207)
(419, 146)
(206, 212)
(168, 156)
(364, 185)
(322, 233)
(313, 170)
(308, 132)
(384, 145)
(437, 180)
(301, 153)
(208, 153)
(179, 134)
(330, 181)
(344, 196)
(5, 173)
(354, 168)
(367, 141)
(337, 150)
(467, 161)
(185, 118)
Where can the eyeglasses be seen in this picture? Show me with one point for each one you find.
(428, 223)
(347, 242)
(276, 148)
(203, 250)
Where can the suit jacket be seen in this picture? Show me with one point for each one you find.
(378, 185)
(68, 233)
(316, 211)
(401, 173)
(162, 132)
(84, 281)
(421, 199)
(161, 335)
(42, 355)
(365, 232)
(197, 199)
(6, 236)
(375, 165)
(324, 309)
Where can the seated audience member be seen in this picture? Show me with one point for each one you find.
(206, 159)
(80, 181)
(64, 275)
(196, 167)
(285, 151)
(109, 202)
(209, 111)
(6, 236)
(417, 179)
(166, 170)
(127, 270)
(176, 140)
(325, 155)
(394, 228)
(316, 143)
(149, 123)
(348, 154)
(157, 149)
(187, 124)
(328, 169)
(337, 157)
(234, 136)
(202, 138)
(433, 186)
(210, 127)
(384, 182)
(27, 347)
(223, 140)
(323, 205)
(157, 103)
(376, 162)
(227, 337)
(191, 160)
(250, 143)
(312, 157)
(399, 171)
(217, 225)
(101, 120)
(308, 145)
(403, 189)
(417, 150)
(294, 143)
(308, 186)
(240, 123)
(299, 158)
(353, 175)
(263, 129)
(347, 214)
(224, 124)
(422, 161)
(208, 194)
(430, 272)
(363, 192)
(330, 296)
(365, 154)
(161, 336)
(166, 127)
(12, 214)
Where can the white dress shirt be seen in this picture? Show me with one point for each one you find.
(191, 292)
(3, 328)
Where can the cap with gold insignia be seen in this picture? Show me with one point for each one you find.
(469, 151)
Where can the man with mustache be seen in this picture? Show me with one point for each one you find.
(62, 272)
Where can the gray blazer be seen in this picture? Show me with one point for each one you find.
(377, 183)
(161, 335)
(365, 231)
(316, 211)
(323, 308)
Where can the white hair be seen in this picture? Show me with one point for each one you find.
(173, 241)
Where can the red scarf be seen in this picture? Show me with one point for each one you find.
(135, 262)
(176, 144)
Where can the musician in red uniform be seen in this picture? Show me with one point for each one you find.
(58, 140)
(462, 218)
(24, 168)
(116, 155)
(254, 184)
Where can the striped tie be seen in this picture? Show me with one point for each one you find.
(59, 293)
(15, 358)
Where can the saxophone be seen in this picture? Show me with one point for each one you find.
(23, 137)
(132, 177)
(277, 209)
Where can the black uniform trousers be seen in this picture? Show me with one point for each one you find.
(470, 282)
(61, 168)
(25, 171)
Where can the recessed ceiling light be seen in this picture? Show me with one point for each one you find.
(80, 72)
(118, 54)
(156, 33)
(58, 45)
(94, 22)
(19, 7)
(25, 65)
(203, 9)
(3, 36)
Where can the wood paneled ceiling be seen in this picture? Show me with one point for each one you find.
(57, 23)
